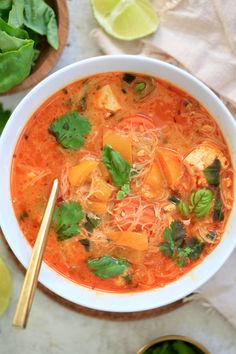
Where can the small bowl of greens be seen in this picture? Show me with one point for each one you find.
(33, 34)
(173, 345)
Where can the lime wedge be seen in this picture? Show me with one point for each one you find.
(126, 19)
(5, 287)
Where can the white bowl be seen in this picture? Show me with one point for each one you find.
(50, 278)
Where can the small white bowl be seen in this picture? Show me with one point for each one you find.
(51, 279)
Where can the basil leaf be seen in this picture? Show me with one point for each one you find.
(107, 266)
(212, 173)
(40, 17)
(218, 214)
(66, 219)
(70, 129)
(4, 116)
(201, 202)
(116, 165)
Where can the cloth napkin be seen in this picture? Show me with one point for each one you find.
(199, 36)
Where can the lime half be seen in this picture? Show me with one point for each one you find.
(126, 19)
(5, 287)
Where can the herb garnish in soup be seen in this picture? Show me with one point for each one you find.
(146, 181)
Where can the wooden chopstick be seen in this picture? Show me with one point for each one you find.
(31, 278)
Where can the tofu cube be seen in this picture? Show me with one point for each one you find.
(107, 99)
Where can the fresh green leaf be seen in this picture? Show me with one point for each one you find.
(70, 129)
(116, 165)
(183, 208)
(66, 219)
(4, 116)
(139, 87)
(212, 173)
(5, 4)
(15, 66)
(178, 231)
(183, 348)
(107, 266)
(166, 249)
(195, 245)
(86, 243)
(174, 199)
(128, 78)
(125, 189)
(91, 223)
(13, 31)
(218, 214)
(41, 18)
(16, 15)
(201, 202)
(211, 235)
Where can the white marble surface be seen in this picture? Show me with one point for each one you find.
(53, 328)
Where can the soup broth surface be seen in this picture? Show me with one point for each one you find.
(145, 181)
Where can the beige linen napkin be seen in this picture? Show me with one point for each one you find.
(199, 36)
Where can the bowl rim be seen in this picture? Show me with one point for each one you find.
(174, 337)
(97, 299)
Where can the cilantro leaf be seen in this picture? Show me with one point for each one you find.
(195, 246)
(212, 173)
(70, 130)
(125, 189)
(4, 116)
(107, 266)
(66, 219)
(201, 202)
(218, 214)
(116, 165)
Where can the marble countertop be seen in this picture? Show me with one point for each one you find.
(55, 329)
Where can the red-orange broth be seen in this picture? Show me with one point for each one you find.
(168, 140)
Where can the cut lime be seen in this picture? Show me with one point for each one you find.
(126, 19)
(5, 287)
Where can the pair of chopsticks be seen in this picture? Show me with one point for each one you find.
(31, 278)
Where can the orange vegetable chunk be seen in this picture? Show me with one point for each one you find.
(101, 189)
(118, 142)
(97, 207)
(79, 173)
(171, 164)
(135, 240)
(155, 178)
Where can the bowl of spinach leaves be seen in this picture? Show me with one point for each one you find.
(33, 34)
(173, 345)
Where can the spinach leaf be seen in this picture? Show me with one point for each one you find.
(16, 15)
(41, 18)
(201, 202)
(107, 266)
(70, 129)
(218, 214)
(116, 165)
(91, 223)
(66, 219)
(4, 116)
(212, 173)
(125, 189)
(15, 65)
(86, 243)
(179, 247)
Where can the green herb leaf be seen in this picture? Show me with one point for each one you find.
(211, 235)
(166, 249)
(195, 245)
(91, 223)
(125, 189)
(40, 17)
(116, 165)
(201, 202)
(128, 78)
(174, 199)
(107, 266)
(178, 231)
(86, 243)
(70, 129)
(4, 116)
(66, 219)
(218, 214)
(183, 208)
(212, 173)
(139, 87)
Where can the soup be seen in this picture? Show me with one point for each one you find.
(145, 176)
